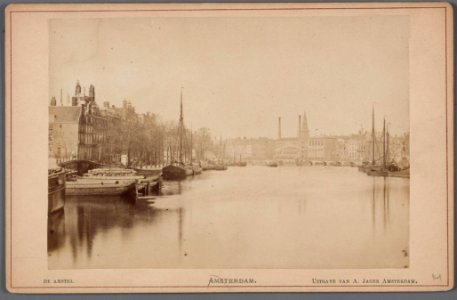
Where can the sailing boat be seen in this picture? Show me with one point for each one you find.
(387, 169)
(178, 170)
(393, 170)
(379, 170)
(366, 167)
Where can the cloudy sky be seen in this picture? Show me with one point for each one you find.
(239, 74)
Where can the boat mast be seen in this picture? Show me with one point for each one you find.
(387, 143)
(373, 137)
(180, 130)
(191, 143)
(384, 144)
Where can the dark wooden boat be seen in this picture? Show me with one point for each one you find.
(272, 164)
(376, 171)
(402, 173)
(177, 172)
(196, 169)
(214, 167)
(180, 169)
(56, 190)
(149, 172)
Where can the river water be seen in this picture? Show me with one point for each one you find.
(251, 217)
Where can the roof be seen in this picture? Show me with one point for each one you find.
(64, 114)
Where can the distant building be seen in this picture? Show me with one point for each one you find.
(251, 149)
(293, 149)
(356, 148)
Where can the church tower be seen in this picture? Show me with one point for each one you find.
(92, 93)
(77, 89)
(76, 99)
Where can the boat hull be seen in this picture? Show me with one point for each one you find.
(197, 170)
(100, 188)
(149, 172)
(382, 173)
(400, 174)
(215, 168)
(56, 191)
(176, 172)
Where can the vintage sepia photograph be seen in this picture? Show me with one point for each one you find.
(229, 142)
(301, 147)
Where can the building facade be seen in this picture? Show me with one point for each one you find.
(77, 131)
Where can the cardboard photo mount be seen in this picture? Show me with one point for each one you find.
(431, 99)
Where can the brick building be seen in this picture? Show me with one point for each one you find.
(77, 131)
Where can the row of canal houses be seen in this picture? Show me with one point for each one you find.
(86, 131)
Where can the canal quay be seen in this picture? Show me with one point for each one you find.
(244, 217)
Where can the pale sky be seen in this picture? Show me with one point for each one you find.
(239, 74)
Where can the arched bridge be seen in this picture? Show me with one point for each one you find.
(80, 165)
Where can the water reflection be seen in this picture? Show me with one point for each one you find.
(320, 217)
(383, 200)
(56, 230)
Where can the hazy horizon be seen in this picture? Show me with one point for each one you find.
(240, 74)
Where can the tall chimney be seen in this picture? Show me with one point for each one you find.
(279, 128)
(299, 125)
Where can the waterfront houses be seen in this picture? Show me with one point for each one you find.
(353, 148)
(77, 131)
(114, 135)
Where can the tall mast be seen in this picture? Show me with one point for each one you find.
(191, 152)
(384, 144)
(373, 137)
(180, 129)
(387, 143)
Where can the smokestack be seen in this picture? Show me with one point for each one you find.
(279, 128)
(299, 125)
